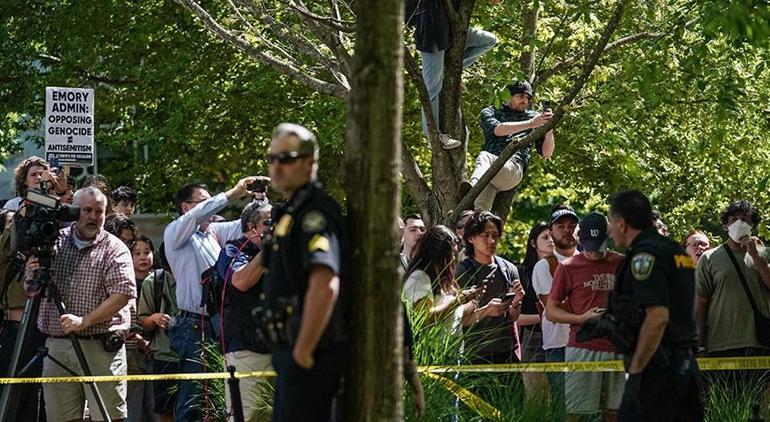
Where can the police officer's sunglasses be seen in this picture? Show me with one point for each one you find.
(286, 157)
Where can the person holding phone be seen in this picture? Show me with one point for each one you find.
(501, 126)
(580, 289)
(500, 304)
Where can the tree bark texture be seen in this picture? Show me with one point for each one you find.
(372, 158)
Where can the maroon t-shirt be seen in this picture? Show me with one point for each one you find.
(586, 284)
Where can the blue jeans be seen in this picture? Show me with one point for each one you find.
(556, 381)
(477, 43)
(185, 339)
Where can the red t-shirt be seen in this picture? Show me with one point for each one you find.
(586, 284)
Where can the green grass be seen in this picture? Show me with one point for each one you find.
(724, 401)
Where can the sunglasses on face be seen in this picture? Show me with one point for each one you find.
(286, 157)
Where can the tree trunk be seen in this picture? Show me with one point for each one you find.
(527, 57)
(372, 157)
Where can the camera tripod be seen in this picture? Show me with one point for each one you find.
(10, 397)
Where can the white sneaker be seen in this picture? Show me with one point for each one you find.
(447, 142)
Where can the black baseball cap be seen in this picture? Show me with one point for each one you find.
(520, 87)
(593, 234)
(562, 213)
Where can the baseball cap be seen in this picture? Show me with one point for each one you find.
(520, 87)
(558, 214)
(593, 232)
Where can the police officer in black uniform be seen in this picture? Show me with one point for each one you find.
(305, 285)
(657, 281)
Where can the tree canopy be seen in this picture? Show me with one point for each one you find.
(678, 110)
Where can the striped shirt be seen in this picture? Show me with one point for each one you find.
(491, 117)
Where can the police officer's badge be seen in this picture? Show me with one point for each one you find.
(641, 265)
(313, 222)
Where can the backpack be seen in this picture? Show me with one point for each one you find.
(158, 298)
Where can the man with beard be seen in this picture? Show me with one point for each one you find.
(555, 335)
(94, 274)
(502, 126)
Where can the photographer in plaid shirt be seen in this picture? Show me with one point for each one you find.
(94, 272)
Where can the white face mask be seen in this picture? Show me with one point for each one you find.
(738, 230)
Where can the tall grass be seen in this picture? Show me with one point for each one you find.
(726, 400)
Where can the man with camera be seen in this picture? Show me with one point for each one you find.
(93, 271)
(657, 280)
(502, 126)
(306, 282)
(240, 266)
(191, 250)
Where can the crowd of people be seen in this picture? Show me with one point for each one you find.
(532, 312)
(197, 298)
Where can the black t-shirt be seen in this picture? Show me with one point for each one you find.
(491, 335)
(529, 303)
(431, 24)
(658, 272)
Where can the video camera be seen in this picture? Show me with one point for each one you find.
(36, 228)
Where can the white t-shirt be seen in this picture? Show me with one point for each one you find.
(418, 286)
(554, 334)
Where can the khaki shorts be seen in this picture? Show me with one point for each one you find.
(65, 401)
(589, 393)
(256, 393)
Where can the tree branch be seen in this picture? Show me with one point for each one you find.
(415, 182)
(333, 23)
(574, 60)
(451, 13)
(538, 133)
(327, 37)
(527, 56)
(286, 68)
(298, 41)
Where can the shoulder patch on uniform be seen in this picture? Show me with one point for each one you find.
(283, 226)
(313, 222)
(684, 261)
(318, 243)
(641, 265)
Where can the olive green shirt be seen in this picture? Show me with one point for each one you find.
(11, 285)
(729, 317)
(160, 344)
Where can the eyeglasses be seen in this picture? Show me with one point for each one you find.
(195, 202)
(286, 157)
(697, 244)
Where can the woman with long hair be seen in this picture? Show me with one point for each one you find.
(539, 246)
(430, 283)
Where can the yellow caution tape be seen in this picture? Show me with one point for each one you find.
(603, 366)
(156, 377)
(705, 364)
(471, 400)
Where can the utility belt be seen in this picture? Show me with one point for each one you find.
(278, 325)
(111, 341)
(665, 355)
